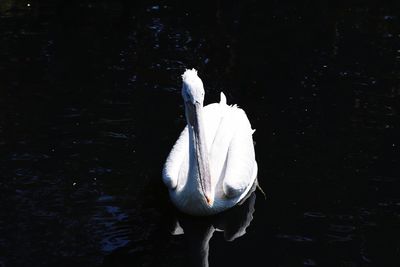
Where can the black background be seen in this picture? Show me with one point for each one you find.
(90, 106)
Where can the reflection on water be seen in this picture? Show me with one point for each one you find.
(199, 231)
(90, 106)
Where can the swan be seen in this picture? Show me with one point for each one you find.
(212, 165)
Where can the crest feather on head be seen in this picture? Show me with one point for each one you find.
(189, 74)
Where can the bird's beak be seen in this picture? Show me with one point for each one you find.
(194, 117)
(191, 113)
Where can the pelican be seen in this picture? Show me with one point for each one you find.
(212, 165)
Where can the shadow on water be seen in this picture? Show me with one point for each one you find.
(90, 106)
(198, 232)
(185, 240)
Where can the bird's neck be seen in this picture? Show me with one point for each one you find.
(199, 160)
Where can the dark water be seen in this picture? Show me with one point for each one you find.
(90, 106)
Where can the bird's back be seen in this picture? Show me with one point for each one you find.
(228, 131)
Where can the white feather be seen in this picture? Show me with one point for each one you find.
(228, 136)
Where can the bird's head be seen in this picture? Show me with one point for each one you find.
(192, 87)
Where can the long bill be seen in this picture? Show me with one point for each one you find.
(195, 118)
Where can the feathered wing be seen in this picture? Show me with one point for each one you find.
(232, 151)
(240, 162)
(175, 160)
(222, 135)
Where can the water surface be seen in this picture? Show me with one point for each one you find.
(90, 107)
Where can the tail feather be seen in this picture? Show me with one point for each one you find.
(223, 99)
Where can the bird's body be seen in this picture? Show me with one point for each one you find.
(212, 165)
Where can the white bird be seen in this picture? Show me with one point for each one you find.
(212, 165)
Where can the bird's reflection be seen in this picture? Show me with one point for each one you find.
(198, 231)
